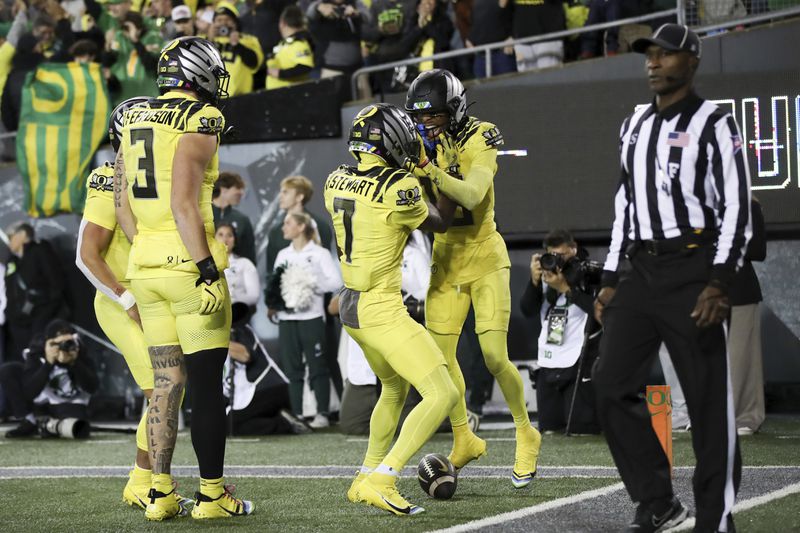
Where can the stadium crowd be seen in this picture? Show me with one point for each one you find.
(268, 45)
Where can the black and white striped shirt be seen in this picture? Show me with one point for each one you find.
(683, 169)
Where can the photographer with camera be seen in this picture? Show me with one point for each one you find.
(56, 382)
(241, 51)
(561, 294)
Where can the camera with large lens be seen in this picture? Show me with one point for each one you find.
(577, 272)
(67, 428)
(69, 345)
(223, 31)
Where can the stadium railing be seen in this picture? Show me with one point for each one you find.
(683, 8)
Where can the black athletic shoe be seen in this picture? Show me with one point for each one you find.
(24, 430)
(647, 520)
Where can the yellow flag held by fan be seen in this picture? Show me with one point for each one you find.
(62, 122)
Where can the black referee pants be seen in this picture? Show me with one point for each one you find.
(653, 303)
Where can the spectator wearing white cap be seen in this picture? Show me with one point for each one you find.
(182, 22)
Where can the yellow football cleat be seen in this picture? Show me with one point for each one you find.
(352, 492)
(225, 506)
(137, 495)
(161, 506)
(380, 490)
(528, 443)
(466, 449)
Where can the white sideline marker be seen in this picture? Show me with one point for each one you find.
(748, 504)
(534, 509)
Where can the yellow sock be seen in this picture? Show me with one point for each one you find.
(141, 432)
(213, 488)
(447, 344)
(141, 476)
(385, 416)
(495, 352)
(162, 483)
(438, 395)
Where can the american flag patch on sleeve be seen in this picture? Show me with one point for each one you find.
(678, 138)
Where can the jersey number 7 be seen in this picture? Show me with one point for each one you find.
(349, 208)
(146, 165)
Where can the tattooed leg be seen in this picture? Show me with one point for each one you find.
(169, 370)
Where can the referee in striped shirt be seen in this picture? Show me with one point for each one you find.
(681, 226)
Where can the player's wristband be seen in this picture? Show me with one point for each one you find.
(126, 300)
(208, 270)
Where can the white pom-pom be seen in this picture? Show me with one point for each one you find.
(298, 287)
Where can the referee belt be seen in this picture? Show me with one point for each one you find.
(676, 244)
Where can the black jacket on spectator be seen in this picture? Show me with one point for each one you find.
(262, 21)
(337, 41)
(745, 288)
(538, 19)
(493, 22)
(35, 290)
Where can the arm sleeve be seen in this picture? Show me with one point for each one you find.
(105, 289)
(149, 61)
(619, 233)
(757, 248)
(35, 376)
(17, 28)
(416, 272)
(471, 191)
(532, 298)
(250, 51)
(83, 372)
(732, 184)
(252, 285)
(620, 228)
(294, 72)
(329, 279)
(583, 300)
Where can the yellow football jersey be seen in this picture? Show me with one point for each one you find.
(289, 53)
(99, 210)
(374, 209)
(477, 145)
(472, 246)
(150, 135)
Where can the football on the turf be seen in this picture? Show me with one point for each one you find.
(437, 476)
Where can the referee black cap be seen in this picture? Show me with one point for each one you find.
(674, 37)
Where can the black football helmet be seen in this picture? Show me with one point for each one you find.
(193, 63)
(435, 91)
(386, 131)
(115, 119)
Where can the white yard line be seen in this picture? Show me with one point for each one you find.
(748, 504)
(534, 509)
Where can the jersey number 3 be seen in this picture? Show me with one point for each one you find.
(146, 165)
(349, 208)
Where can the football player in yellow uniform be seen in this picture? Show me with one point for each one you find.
(164, 176)
(102, 256)
(470, 260)
(375, 206)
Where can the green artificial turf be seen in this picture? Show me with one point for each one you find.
(281, 505)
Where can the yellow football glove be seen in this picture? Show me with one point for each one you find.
(446, 152)
(211, 286)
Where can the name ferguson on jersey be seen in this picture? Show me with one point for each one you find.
(156, 116)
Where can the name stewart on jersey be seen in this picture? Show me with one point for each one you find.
(354, 184)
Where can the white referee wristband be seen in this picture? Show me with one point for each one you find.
(126, 300)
